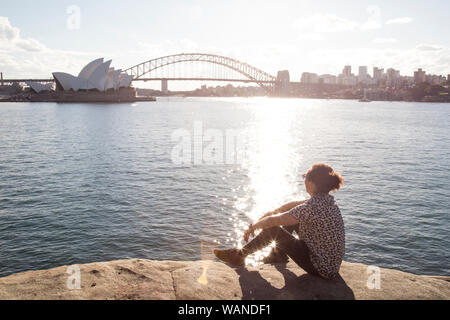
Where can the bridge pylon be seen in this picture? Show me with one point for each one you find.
(283, 84)
(164, 86)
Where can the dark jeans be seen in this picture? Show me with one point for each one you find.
(296, 249)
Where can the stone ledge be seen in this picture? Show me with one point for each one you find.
(206, 279)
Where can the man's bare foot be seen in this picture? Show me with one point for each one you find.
(231, 256)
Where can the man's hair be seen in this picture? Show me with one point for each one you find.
(325, 178)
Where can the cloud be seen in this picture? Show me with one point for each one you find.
(324, 23)
(402, 20)
(163, 48)
(7, 31)
(374, 20)
(22, 57)
(29, 45)
(310, 27)
(384, 40)
(428, 47)
(370, 25)
(11, 39)
(310, 36)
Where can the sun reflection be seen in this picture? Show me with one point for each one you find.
(271, 165)
(203, 279)
(207, 257)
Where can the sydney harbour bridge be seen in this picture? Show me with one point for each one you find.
(198, 67)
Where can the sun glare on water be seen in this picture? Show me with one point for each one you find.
(271, 165)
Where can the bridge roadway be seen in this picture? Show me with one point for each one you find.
(203, 79)
(152, 79)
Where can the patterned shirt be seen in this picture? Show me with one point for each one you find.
(322, 228)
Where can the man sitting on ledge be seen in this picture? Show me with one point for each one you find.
(318, 222)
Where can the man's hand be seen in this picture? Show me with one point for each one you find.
(248, 232)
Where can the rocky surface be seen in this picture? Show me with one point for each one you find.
(148, 279)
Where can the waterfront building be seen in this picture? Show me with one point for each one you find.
(378, 74)
(347, 77)
(309, 77)
(350, 81)
(96, 75)
(347, 72)
(435, 79)
(393, 76)
(39, 87)
(419, 76)
(363, 77)
(408, 79)
(362, 72)
(328, 79)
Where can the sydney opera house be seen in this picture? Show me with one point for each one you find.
(96, 82)
(96, 75)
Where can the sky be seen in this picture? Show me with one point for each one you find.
(321, 36)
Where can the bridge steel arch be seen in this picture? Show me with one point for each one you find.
(263, 79)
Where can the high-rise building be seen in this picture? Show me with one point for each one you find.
(347, 71)
(362, 71)
(347, 77)
(378, 74)
(393, 76)
(362, 74)
(308, 77)
(420, 76)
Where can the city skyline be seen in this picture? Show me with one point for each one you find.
(363, 76)
(299, 36)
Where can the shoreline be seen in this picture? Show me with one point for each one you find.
(78, 100)
(154, 98)
(135, 279)
(123, 95)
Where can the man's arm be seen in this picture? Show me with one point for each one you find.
(282, 219)
(284, 208)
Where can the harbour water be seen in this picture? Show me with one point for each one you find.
(93, 182)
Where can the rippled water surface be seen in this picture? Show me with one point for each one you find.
(82, 183)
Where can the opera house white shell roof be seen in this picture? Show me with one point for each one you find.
(95, 75)
(39, 87)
